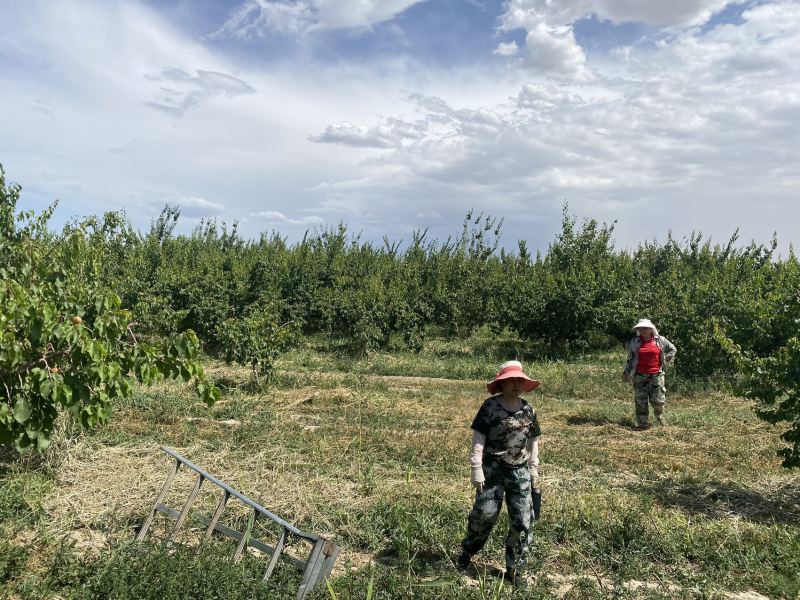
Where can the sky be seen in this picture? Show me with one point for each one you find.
(398, 115)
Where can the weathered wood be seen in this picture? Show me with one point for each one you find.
(323, 553)
(187, 505)
(331, 552)
(312, 570)
(245, 537)
(275, 555)
(164, 489)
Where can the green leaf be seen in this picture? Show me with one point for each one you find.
(48, 310)
(331, 591)
(43, 441)
(46, 388)
(371, 585)
(63, 394)
(22, 410)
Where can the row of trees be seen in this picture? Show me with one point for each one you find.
(248, 300)
(582, 293)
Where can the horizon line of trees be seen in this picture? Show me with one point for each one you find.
(581, 294)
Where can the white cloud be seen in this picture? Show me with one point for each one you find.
(277, 217)
(554, 50)
(258, 18)
(688, 134)
(546, 97)
(683, 13)
(506, 49)
(186, 91)
(192, 206)
(388, 135)
(148, 202)
(698, 132)
(527, 14)
(550, 43)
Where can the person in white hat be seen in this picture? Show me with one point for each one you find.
(504, 461)
(648, 356)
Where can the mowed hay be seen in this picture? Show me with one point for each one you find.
(98, 483)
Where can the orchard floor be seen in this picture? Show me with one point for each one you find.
(373, 453)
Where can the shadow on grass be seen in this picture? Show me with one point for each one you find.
(8, 456)
(227, 383)
(421, 558)
(481, 572)
(433, 560)
(599, 420)
(776, 505)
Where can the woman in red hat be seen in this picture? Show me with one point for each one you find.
(504, 461)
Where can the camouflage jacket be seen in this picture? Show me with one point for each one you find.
(668, 352)
(507, 433)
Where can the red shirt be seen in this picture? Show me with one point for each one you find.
(649, 357)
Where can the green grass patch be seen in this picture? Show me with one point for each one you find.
(21, 497)
(150, 572)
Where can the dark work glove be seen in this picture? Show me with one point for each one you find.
(536, 504)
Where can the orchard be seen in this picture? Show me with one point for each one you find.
(88, 311)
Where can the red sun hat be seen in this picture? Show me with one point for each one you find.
(512, 370)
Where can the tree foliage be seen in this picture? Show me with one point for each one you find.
(66, 343)
(772, 379)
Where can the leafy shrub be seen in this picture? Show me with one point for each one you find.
(65, 341)
(580, 294)
(773, 381)
(256, 340)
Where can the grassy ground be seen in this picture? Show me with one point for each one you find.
(372, 452)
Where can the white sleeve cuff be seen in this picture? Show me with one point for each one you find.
(476, 476)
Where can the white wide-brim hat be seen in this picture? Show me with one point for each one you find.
(645, 323)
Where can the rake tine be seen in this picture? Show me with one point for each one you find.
(315, 569)
(245, 537)
(186, 506)
(164, 489)
(217, 514)
(275, 555)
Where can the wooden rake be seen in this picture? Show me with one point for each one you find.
(315, 569)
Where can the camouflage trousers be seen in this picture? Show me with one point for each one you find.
(513, 483)
(647, 390)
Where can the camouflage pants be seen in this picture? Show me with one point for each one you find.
(515, 484)
(649, 389)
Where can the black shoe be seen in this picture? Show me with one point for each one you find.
(515, 579)
(463, 561)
